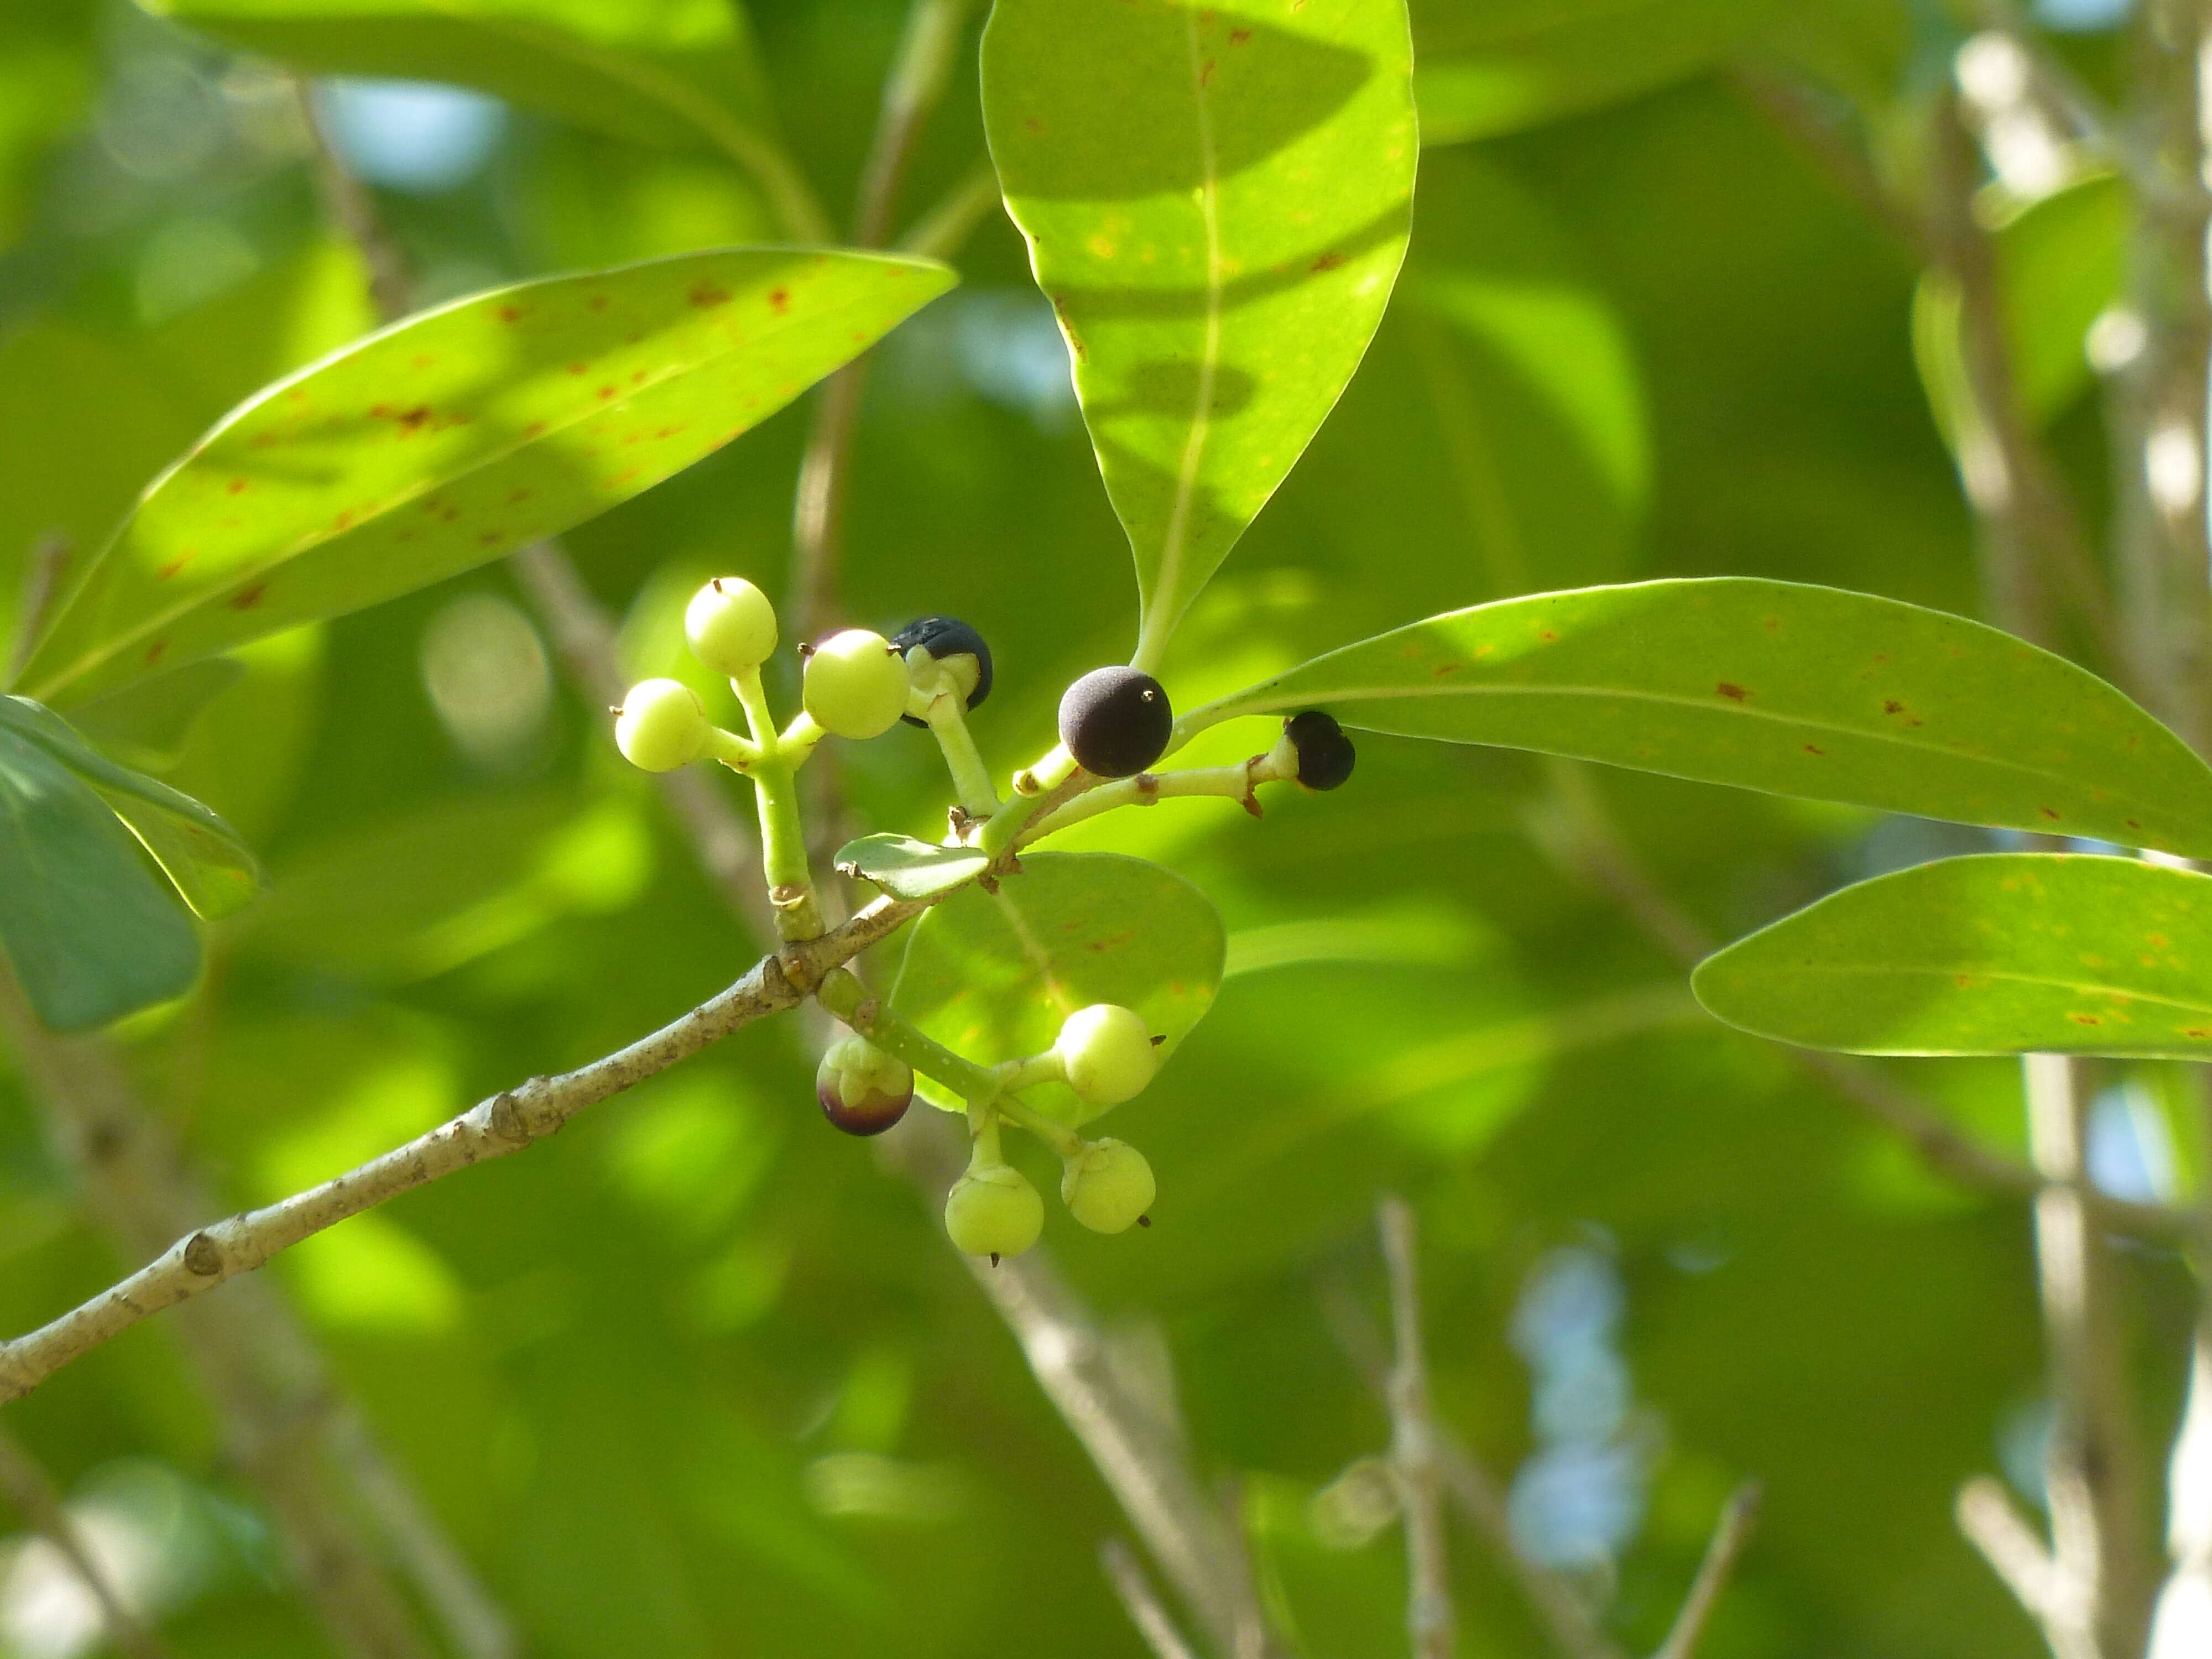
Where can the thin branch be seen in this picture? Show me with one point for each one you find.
(507, 1122)
(271, 1395)
(1475, 1492)
(1793, 111)
(28, 1491)
(1140, 1602)
(1993, 1524)
(2093, 1474)
(1413, 1445)
(917, 80)
(41, 591)
(347, 204)
(943, 230)
(1573, 827)
(1738, 1516)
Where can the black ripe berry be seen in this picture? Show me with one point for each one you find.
(948, 640)
(1116, 722)
(1325, 754)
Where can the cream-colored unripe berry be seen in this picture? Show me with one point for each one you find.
(1108, 1054)
(731, 626)
(1108, 1186)
(856, 684)
(994, 1212)
(662, 725)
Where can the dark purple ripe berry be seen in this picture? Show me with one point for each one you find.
(1325, 754)
(952, 642)
(1116, 722)
(863, 1090)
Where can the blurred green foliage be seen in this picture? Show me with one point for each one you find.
(699, 1378)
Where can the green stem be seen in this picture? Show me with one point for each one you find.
(971, 778)
(760, 720)
(1062, 1139)
(843, 995)
(783, 850)
(1236, 782)
(1031, 788)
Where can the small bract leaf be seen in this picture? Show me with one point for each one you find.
(2000, 954)
(457, 437)
(89, 930)
(209, 862)
(1794, 690)
(1217, 201)
(993, 975)
(147, 723)
(909, 869)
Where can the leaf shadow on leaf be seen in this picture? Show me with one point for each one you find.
(1265, 86)
(1116, 304)
(1171, 389)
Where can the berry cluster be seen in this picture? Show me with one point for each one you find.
(1114, 723)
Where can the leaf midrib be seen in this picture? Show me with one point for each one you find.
(1948, 975)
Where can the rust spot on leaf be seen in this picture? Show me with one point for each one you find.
(1446, 668)
(174, 567)
(2048, 813)
(236, 486)
(1238, 37)
(1732, 693)
(1032, 125)
(1206, 73)
(779, 301)
(606, 392)
(1549, 637)
(1329, 261)
(706, 295)
(154, 652)
(2132, 823)
(509, 313)
(414, 420)
(2085, 1020)
(2198, 1031)
(516, 497)
(491, 538)
(1814, 749)
(535, 429)
(1893, 706)
(246, 597)
(599, 303)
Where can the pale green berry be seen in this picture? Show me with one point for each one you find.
(994, 1212)
(1108, 1186)
(661, 725)
(856, 684)
(731, 626)
(1108, 1053)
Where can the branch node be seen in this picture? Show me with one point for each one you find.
(203, 1256)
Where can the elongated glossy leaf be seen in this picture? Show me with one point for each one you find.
(208, 861)
(90, 932)
(457, 437)
(1495, 66)
(1794, 690)
(909, 869)
(992, 976)
(2001, 954)
(1217, 201)
(656, 71)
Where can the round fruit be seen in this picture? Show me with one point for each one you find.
(1325, 754)
(856, 684)
(1116, 722)
(1108, 1186)
(661, 725)
(958, 647)
(731, 626)
(1109, 1055)
(994, 1212)
(863, 1090)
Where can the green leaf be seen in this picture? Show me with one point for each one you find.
(2004, 953)
(652, 71)
(992, 976)
(1216, 201)
(909, 869)
(89, 931)
(1497, 66)
(210, 864)
(1794, 689)
(457, 437)
(147, 723)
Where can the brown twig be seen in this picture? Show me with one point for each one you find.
(1413, 1445)
(32, 1495)
(1738, 1516)
(41, 591)
(1140, 1603)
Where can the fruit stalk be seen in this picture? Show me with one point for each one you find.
(843, 995)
